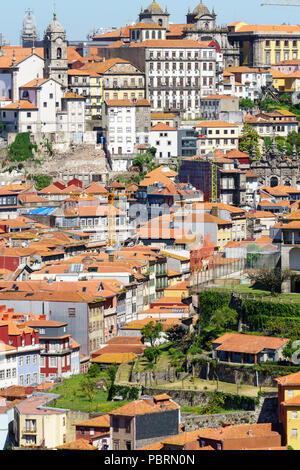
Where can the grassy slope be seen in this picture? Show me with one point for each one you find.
(72, 398)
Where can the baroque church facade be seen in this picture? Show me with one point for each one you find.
(275, 168)
(201, 25)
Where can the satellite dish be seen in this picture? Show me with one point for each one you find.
(296, 97)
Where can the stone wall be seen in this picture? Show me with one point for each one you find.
(232, 373)
(208, 370)
(152, 378)
(193, 422)
(266, 411)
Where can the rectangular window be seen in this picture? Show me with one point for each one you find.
(53, 362)
(2, 374)
(294, 432)
(71, 312)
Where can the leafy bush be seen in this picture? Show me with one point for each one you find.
(22, 148)
(42, 181)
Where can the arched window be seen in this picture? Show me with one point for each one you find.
(147, 35)
(59, 52)
(160, 22)
(153, 34)
(47, 53)
(273, 182)
(159, 34)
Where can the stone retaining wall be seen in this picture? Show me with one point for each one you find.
(266, 411)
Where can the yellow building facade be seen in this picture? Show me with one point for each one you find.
(36, 425)
(264, 45)
(289, 408)
(114, 79)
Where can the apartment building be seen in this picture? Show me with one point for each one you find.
(253, 79)
(38, 425)
(55, 360)
(86, 83)
(121, 119)
(164, 139)
(178, 73)
(213, 106)
(279, 122)
(217, 135)
(23, 360)
(144, 421)
(8, 366)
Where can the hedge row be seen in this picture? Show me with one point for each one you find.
(270, 309)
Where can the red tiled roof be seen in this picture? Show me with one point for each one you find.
(249, 344)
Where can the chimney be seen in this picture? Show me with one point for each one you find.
(250, 433)
(42, 317)
(5, 316)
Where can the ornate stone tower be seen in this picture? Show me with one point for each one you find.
(154, 13)
(56, 53)
(29, 34)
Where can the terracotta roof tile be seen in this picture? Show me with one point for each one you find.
(249, 344)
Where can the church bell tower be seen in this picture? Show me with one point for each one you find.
(56, 53)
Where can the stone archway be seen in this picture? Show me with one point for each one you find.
(295, 259)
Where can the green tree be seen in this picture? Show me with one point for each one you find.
(151, 332)
(112, 372)
(272, 279)
(152, 354)
(246, 103)
(249, 141)
(267, 104)
(285, 99)
(289, 350)
(145, 163)
(294, 139)
(87, 387)
(42, 181)
(93, 371)
(224, 318)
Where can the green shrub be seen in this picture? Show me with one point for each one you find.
(22, 148)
